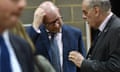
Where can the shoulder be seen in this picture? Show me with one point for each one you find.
(17, 39)
(19, 42)
(114, 26)
(115, 21)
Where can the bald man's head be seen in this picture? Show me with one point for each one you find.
(52, 18)
(48, 7)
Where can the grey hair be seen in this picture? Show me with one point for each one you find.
(105, 5)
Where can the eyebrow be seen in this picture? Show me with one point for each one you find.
(54, 20)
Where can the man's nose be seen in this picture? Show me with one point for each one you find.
(22, 4)
(84, 17)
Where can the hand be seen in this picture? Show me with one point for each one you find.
(76, 58)
(38, 17)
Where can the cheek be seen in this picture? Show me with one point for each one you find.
(6, 5)
(90, 21)
(90, 18)
(55, 28)
(58, 24)
(5, 11)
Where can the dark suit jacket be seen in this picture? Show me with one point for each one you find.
(23, 53)
(71, 38)
(104, 56)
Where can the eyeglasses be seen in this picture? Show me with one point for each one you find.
(53, 22)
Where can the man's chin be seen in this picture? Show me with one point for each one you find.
(12, 25)
(54, 31)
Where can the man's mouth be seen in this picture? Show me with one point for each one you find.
(17, 14)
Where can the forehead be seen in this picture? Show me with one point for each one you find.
(6, 5)
(9, 3)
(4, 2)
(85, 3)
(51, 17)
(85, 7)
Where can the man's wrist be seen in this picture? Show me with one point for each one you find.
(36, 29)
(81, 62)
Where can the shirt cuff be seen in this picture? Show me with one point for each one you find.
(36, 30)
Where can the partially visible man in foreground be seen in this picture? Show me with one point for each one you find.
(15, 53)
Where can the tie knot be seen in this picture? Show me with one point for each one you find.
(51, 34)
(97, 31)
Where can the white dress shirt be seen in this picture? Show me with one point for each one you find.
(102, 26)
(13, 59)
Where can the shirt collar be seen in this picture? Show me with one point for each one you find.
(104, 23)
(58, 32)
(5, 35)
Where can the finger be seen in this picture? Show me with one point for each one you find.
(39, 11)
(70, 56)
(70, 59)
(73, 53)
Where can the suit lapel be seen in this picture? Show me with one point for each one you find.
(19, 54)
(101, 37)
(104, 33)
(66, 42)
(45, 40)
(46, 43)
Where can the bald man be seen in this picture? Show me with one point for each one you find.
(53, 39)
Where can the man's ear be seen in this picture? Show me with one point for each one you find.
(97, 11)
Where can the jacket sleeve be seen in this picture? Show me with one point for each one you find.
(32, 33)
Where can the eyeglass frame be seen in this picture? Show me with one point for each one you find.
(53, 22)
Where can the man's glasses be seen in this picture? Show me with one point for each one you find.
(53, 22)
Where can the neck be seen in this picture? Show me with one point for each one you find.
(102, 18)
(1, 30)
